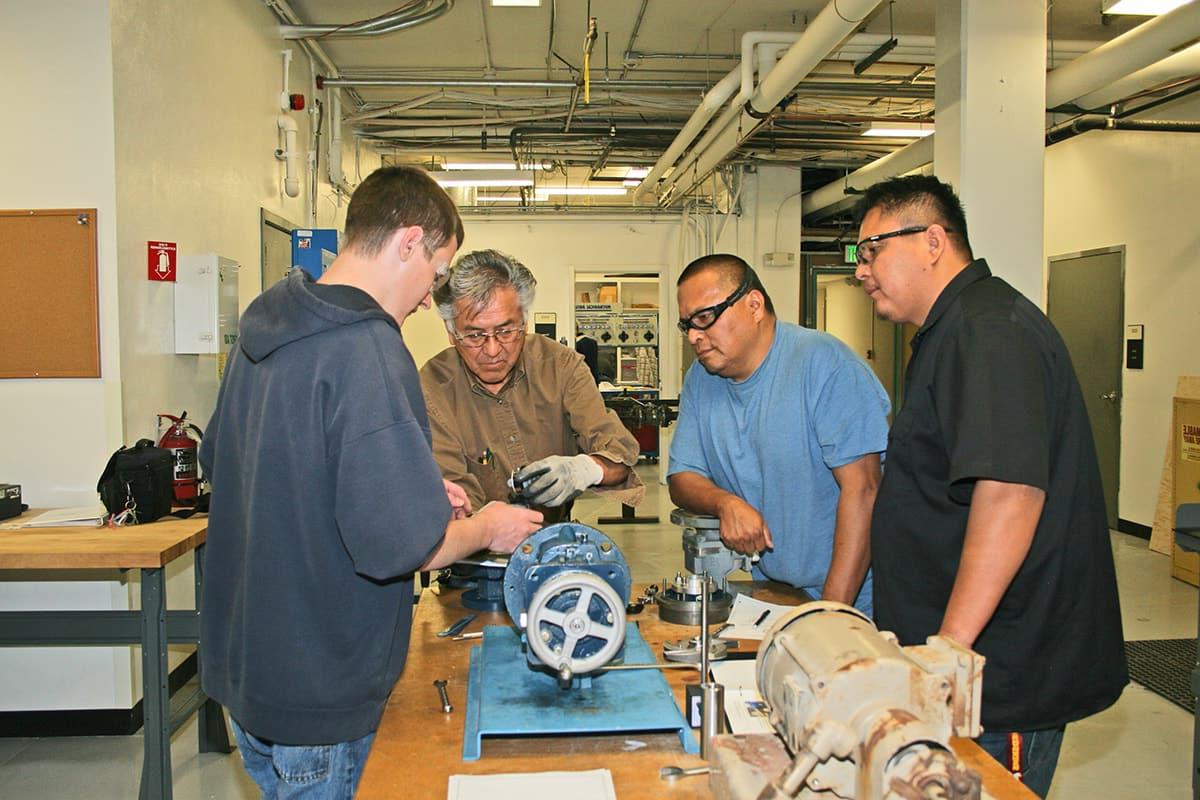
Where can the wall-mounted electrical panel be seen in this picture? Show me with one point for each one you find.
(206, 304)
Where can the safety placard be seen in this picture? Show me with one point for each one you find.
(160, 261)
(1189, 442)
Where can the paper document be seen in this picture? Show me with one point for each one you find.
(80, 516)
(744, 706)
(593, 784)
(751, 619)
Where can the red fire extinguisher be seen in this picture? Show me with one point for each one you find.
(183, 448)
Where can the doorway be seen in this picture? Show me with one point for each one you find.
(1085, 299)
(834, 302)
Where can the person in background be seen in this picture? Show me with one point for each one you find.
(326, 497)
(990, 525)
(779, 434)
(504, 405)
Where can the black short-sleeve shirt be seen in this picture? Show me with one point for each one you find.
(991, 394)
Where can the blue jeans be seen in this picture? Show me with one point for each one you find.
(1039, 755)
(311, 772)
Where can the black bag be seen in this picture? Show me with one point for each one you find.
(140, 476)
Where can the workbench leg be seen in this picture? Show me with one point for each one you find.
(214, 736)
(156, 698)
(628, 517)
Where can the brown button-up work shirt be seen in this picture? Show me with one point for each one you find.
(550, 406)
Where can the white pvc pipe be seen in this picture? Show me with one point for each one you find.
(285, 102)
(750, 40)
(1184, 64)
(289, 155)
(904, 160)
(336, 175)
(838, 20)
(1146, 44)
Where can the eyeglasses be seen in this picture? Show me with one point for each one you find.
(477, 339)
(869, 247)
(706, 317)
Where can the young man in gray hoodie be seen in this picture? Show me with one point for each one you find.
(326, 498)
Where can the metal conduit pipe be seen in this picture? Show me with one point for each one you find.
(1148, 43)
(388, 23)
(1075, 127)
(1184, 64)
(500, 83)
(832, 25)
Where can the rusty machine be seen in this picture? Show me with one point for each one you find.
(857, 715)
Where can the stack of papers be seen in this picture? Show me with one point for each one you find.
(81, 516)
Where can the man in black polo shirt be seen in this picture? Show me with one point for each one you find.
(989, 526)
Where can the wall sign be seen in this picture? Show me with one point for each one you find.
(160, 261)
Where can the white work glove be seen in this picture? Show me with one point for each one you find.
(555, 480)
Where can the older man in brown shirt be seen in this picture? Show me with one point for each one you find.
(500, 400)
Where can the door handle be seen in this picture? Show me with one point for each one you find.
(1110, 396)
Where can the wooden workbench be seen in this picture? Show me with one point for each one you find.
(418, 747)
(148, 548)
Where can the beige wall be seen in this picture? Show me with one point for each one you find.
(1138, 189)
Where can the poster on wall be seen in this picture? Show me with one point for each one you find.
(1189, 443)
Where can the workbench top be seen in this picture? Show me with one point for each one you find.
(152, 545)
(418, 748)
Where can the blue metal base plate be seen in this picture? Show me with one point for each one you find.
(507, 698)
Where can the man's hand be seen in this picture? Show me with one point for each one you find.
(742, 527)
(460, 504)
(555, 480)
(507, 526)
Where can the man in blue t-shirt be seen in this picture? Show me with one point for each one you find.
(779, 436)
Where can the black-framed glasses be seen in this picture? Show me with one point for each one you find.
(869, 247)
(706, 317)
(477, 339)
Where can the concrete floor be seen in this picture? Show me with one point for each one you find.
(1141, 747)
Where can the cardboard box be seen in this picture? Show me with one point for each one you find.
(1185, 456)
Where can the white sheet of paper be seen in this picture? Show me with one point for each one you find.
(744, 618)
(744, 706)
(595, 784)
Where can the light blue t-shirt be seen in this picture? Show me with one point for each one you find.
(773, 439)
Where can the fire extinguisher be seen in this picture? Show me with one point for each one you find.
(183, 448)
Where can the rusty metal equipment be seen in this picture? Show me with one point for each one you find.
(859, 716)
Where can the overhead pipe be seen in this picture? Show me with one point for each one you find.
(837, 20)
(1132, 51)
(427, 11)
(1184, 64)
(1077, 126)
(828, 197)
(1148, 43)
(501, 83)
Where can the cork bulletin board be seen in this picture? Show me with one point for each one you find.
(49, 312)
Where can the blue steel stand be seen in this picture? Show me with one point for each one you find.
(507, 698)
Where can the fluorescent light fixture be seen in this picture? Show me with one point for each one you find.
(545, 191)
(528, 3)
(899, 130)
(497, 198)
(461, 165)
(629, 182)
(494, 177)
(1144, 8)
(637, 172)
